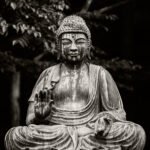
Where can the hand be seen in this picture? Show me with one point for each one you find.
(102, 126)
(43, 103)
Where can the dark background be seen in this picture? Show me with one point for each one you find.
(127, 39)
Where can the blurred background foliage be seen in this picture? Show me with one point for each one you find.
(27, 33)
(27, 47)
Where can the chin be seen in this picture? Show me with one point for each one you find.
(73, 60)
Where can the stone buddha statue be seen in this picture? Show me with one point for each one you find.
(75, 105)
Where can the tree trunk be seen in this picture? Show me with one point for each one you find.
(15, 93)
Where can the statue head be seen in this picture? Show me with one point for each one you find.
(73, 39)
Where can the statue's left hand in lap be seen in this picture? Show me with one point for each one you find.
(103, 125)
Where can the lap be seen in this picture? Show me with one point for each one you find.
(122, 135)
(125, 129)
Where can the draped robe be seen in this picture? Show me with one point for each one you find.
(66, 129)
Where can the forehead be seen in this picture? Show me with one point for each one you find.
(73, 36)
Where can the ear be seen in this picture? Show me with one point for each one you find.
(89, 54)
(89, 50)
(58, 47)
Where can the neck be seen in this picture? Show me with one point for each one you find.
(74, 66)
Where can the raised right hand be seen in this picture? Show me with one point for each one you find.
(43, 103)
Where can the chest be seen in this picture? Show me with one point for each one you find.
(72, 90)
(74, 81)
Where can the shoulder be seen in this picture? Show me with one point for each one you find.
(102, 71)
(99, 67)
(50, 69)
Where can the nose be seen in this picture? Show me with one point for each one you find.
(73, 47)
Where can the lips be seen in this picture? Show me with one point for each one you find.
(73, 54)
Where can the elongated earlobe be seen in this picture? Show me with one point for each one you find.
(89, 54)
(58, 45)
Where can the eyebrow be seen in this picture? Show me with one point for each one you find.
(65, 39)
(81, 39)
(75, 39)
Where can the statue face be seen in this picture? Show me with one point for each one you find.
(74, 46)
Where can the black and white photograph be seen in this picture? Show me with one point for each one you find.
(74, 75)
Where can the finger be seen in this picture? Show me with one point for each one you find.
(45, 95)
(96, 126)
(44, 82)
(36, 98)
(51, 102)
(49, 92)
(40, 96)
(108, 120)
(108, 123)
(101, 125)
(106, 131)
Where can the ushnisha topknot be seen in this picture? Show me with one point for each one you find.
(73, 23)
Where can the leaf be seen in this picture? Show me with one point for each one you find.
(3, 26)
(13, 5)
(29, 31)
(23, 28)
(22, 41)
(14, 26)
(14, 42)
(39, 35)
(46, 45)
(35, 34)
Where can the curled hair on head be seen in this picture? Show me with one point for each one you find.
(72, 23)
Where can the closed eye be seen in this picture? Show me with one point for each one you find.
(66, 41)
(81, 41)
